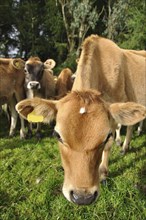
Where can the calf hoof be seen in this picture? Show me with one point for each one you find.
(11, 133)
(22, 134)
(123, 152)
(139, 133)
(11, 136)
(28, 135)
(22, 137)
(104, 182)
(38, 136)
(118, 143)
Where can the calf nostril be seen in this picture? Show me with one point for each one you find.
(95, 194)
(34, 85)
(81, 198)
(37, 85)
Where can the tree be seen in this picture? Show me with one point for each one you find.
(124, 23)
(134, 36)
(6, 27)
(78, 17)
(115, 17)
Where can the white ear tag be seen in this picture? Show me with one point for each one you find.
(82, 110)
(32, 117)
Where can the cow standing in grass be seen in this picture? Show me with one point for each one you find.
(12, 89)
(86, 119)
(39, 82)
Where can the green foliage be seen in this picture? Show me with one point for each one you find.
(69, 62)
(83, 12)
(6, 27)
(30, 27)
(135, 36)
(115, 20)
(31, 178)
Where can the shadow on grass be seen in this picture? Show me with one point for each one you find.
(46, 130)
(15, 141)
(141, 185)
(132, 149)
(5, 200)
(4, 126)
(124, 167)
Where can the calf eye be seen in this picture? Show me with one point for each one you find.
(57, 135)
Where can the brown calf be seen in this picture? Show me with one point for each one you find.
(39, 82)
(117, 73)
(12, 89)
(84, 127)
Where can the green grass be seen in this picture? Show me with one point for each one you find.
(31, 178)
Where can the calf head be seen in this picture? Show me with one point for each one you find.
(83, 126)
(34, 71)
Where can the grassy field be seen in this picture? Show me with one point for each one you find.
(31, 178)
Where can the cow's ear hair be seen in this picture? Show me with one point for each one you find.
(128, 113)
(49, 64)
(38, 107)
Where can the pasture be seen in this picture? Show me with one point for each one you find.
(31, 178)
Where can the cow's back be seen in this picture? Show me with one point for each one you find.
(100, 67)
(119, 74)
(11, 78)
(135, 75)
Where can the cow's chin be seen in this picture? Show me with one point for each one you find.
(92, 195)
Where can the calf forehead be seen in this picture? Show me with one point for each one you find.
(33, 60)
(34, 65)
(83, 121)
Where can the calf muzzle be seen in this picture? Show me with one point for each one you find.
(33, 85)
(81, 198)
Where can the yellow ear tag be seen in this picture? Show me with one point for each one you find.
(31, 117)
(17, 65)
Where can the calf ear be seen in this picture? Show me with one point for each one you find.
(44, 109)
(49, 64)
(128, 113)
(18, 63)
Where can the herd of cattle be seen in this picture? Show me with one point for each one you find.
(109, 89)
(20, 80)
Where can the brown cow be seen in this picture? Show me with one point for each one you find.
(11, 88)
(117, 73)
(64, 82)
(84, 125)
(39, 82)
(85, 119)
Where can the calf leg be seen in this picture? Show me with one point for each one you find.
(14, 116)
(103, 168)
(118, 136)
(38, 131)
(127, 139)
(139, 129)
(30, 130)
(20, 96)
